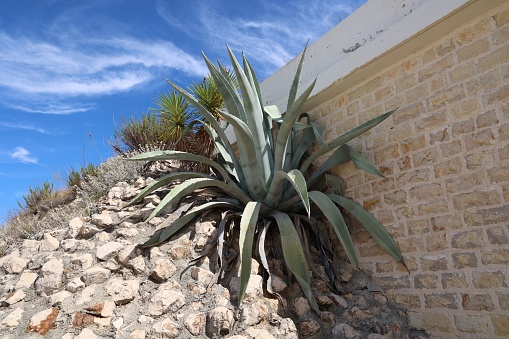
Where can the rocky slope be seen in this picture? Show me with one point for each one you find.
(92, 280)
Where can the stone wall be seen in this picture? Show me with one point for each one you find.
(445, 156)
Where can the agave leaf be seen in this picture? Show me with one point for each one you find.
(344, 138)
(318, 131)
(160, 182)
(193, 184)
(296, 80)
(255, 120)
(164, 233)
(372, 225)
(267, 124)
(294, 255)
(308, 137)
(232, 88)
(178, 155)
(362, 163)
(296, 178)
(263, 256)
(273, 112)
(247, 231)
(227, 157)
(286, 127)
(249, 158)
(227, 90)
(334, 216)
(340, 156)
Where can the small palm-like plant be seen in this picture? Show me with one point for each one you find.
(269, 180)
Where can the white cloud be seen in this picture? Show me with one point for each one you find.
(23, 155)
(35, 69)
(24, 127)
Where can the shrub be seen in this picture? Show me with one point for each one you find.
(76, 178)
(270, 182)
(135, 136)
(107, 175)
(37, 194)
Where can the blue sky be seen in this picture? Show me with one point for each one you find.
(69, 69)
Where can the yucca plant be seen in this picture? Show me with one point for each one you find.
(269, 180)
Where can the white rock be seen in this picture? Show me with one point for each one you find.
(162, 269)
(137, 265)
(202, 275)
(137, 334)
(259, 333)
(345, 331)
(74, 227)
(75, 285)
(156, 252)
(117, 323)
(69, 245)
(30, 247)
(142, 319)
(51, 275)
(59, 297)
(338, 300)
(126, 254)
(139, 183)
(129, 193)
(102, 237)
(219, 322)
(278, 284)
(86, 295)
(254, 287)
(178, 252)
(301, 306)
(68, 336)
(84, 260)
(122, 291)
(43, 321)
(13, 319)
(104, 309)
(102, 322)
(26, 279)
(108, 250)
(115, 192)
(95, 275)
(152, 199)
(102, 220)
(167, 299)
(195, 323)
(254, 313)
(13, 263)
(49, 243)
(12, 298)
(87, 231)
(287, 328)
(165, 329)
(86, 333)
(127, 232)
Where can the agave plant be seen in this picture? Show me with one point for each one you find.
(269, 181)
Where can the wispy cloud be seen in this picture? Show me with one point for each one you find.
(271, 39)
(34, 69)
(24, 127)
(23, 155)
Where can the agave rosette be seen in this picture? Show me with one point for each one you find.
(268, 181)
